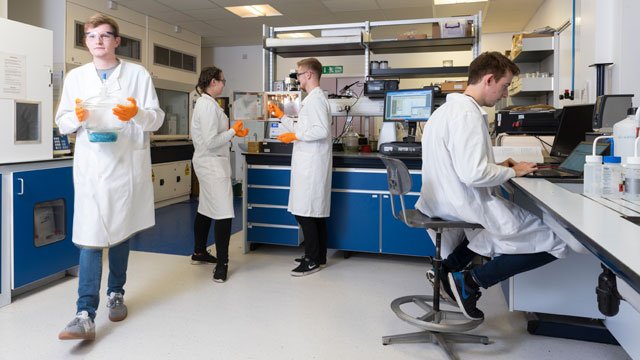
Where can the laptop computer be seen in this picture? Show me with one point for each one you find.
(573, 165)
(575, 122)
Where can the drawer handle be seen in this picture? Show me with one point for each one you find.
(21, 186)
(161, 182)
(178, 178)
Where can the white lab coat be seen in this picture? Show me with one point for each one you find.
(311, 160)
(460, 179)
(211, 135)
(113, 188)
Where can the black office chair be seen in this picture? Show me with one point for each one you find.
(439, 326)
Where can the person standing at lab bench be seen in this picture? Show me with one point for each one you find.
(112, 180)
(211, 139)
(460, 180)
(311, 164)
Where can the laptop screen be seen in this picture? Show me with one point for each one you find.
(575, 160)
(575, 122)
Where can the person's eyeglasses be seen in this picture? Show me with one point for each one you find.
(223, 81)
(296, 75)
(93, 36)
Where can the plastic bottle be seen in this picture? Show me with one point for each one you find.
(612, 185)
(624, 135)
(593, 175)
(632, 179)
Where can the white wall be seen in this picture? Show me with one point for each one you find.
(3, 9)
(242, 66)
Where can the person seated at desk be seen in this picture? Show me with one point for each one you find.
(460, 180)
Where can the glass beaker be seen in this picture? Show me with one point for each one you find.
(101, 124)
(350, 140)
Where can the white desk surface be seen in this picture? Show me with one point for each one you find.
(613, 239)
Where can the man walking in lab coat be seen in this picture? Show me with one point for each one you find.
(460, 180)
(311, 163)
(112, 180)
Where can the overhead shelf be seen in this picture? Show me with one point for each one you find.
(322, 46)
(407, 73)
(531, 87)
(391, 46)
(534, 49)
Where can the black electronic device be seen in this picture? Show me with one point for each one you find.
(610, 109)
(398, 148)
(573, 165)
(277, 147)
(60, 143)
(573, 127)
(377, 88)
(527, 122)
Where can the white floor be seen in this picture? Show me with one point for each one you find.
(176, 311)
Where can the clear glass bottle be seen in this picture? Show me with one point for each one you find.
(593, 175)
(632, 179)
(612, 181)
(350, 140)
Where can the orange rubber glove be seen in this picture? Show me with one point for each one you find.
(274, 110)
(287, 137)
(81, 113)
(237, 126)
(126, 112)
(242, 133)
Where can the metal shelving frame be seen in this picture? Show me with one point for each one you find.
(365, 44)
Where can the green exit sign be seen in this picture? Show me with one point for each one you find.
(333, 69)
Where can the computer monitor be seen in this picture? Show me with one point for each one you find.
(575, 122)
(609, 110)
(408, 106)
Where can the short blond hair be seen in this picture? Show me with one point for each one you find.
(311, 64)
(101, 19)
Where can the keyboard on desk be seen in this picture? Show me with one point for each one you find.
(398, 148)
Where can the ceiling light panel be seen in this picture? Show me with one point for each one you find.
(248, 11)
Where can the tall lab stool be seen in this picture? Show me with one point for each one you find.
(438, 326)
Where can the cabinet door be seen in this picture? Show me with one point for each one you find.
(354, 223)
(398, 238)
(42, 224)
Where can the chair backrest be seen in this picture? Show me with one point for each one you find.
(398, 177)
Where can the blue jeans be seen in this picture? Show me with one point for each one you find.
(90, 274)
(497, 269)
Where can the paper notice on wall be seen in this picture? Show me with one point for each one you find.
(13, 76)
(518, 153)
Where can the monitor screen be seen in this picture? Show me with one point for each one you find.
(575, 122)
(408, 105)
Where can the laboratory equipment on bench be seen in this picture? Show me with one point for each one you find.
(26, 92)
(608, 110)
(101, 124)
(350, 138)
(408, 107)
(60, 143)
(612, 181)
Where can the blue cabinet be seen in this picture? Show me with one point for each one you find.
(398, 238)
(354, 222)
(42, 224)
(268, 221)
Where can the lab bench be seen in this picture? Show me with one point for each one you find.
(36, 225)
(361, 219)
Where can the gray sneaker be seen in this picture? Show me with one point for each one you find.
(117, 308)
(80, 328)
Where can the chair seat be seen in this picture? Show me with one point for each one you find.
(415, 218)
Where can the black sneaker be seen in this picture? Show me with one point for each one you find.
(220, 274)
(306, 267)
(321, 263)
(445, 290)
(203, 258)
(466, 296)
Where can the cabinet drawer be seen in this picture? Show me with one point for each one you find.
(267, 196)
(269, 177)
(368, 181)
(273, 235)
(267, 215)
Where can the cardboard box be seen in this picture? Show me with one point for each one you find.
(254, 146)
(451, 28)
(453, 86)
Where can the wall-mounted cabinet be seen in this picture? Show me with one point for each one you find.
(173, 59)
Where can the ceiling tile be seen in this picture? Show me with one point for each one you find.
(187, 4)
(398, 4)
(146, 7)
(351, 5)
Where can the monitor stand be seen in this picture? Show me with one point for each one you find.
(411, 133)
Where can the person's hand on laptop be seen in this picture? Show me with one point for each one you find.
(524, 168)
(508, 163)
